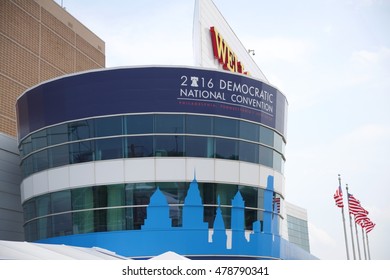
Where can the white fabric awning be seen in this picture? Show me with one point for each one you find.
(13, 250)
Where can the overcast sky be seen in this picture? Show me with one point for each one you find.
(331, 58)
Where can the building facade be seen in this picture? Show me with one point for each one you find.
(143, 160)
(39, 40)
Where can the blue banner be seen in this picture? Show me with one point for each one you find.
(150, 89)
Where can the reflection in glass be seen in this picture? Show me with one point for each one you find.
(226, 148)
(199, 147)
(169, 123)
(139, 146)
(110, 148)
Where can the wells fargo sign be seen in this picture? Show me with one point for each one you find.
(225, 54)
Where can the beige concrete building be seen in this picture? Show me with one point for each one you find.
(39, 40)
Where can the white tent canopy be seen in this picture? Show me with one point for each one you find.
(13, 250)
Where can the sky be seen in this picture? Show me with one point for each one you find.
(331, 58)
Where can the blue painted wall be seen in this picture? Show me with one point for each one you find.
(157, 235)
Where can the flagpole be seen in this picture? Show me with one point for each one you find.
(350, 224)
(364, 244)
(345, 230)
(357, 240)
(368, 247)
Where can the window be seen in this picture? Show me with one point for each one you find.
(171, 146)
(249, 152)
(110, 148)
(249, 131)
(80, 130)
(266, 136)
(61, 202)
(40, 161)
(226, 127)
(27, 166)
(39, 140)
(62, 224)
(29, 210)
(169, 124)
(278, 143)
(139, 146)
(82, 151)
(139, 124)
(58, 134)
(108, 126)
(277, 161)
(199, 125)
(59, 155)
(226, 148)
(199, 147)
(26, 146)
(266, 156)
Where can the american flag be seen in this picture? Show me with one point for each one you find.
(361, 218)
(354, 205)
(338, 197)
(369, 225)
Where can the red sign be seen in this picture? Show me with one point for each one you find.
(225, 54)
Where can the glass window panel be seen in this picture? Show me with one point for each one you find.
(249, 195)
(169, 123)
(44, 228)
(110, 148)
(61, 201)
(58, 134)
(249, 152)
(249, 131)
(108, 126)
(62, 224)
(266, 136)
(83, 221)
(39, 140)
(226, 127)
(27, 166)
(80, 130)
(59, 155)
(29, 210)
(209, 215)
(43, 205)
(137, 194)
(100, 220)
(266, 156)
(208, 192)
(199, 125)
(40, 161)
(250, 218)
(82, 151)
(199, 147)
(116, 219)
(278, 143)
(82, 198)
(99, 196)
(140, 146)
(30, 231)
(277, 161)
(139, 124)
(115, 195)
(26, 146)
(226, 148)
(226, 193)
(171, 146)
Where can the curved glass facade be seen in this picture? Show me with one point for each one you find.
(165, 121)
(123, 207)
(151, 135)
